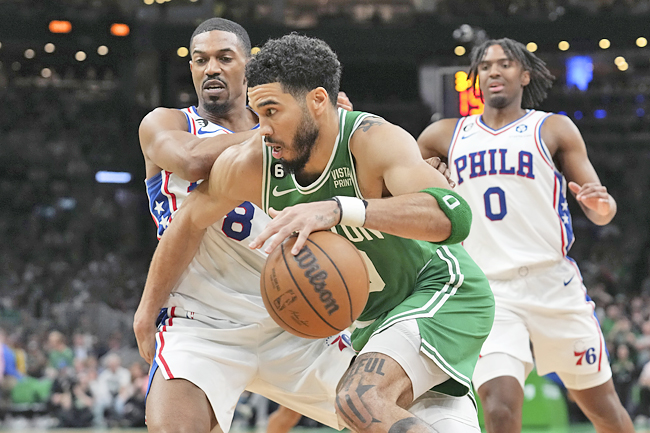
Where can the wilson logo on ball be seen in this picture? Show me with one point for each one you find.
(317, 278)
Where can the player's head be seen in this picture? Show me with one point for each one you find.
(292, 81)
(219, 50)
(507, 71)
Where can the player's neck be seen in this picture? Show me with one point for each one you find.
(238, 119)
(497, 118)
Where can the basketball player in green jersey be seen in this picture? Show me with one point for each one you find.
(430, 307)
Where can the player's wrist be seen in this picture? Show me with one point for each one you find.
(352, 210)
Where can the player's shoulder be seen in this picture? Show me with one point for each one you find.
(162, 118)
(442, 126)
(558, 125)
(437, 136)
(374, 131)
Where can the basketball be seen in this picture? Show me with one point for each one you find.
(318, 292)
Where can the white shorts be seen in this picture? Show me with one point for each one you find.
(443, 412)
(402, 342)
(224, 358)
(549, 309)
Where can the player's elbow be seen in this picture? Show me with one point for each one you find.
(459, 225)
(196, 167)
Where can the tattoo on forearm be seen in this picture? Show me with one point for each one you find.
(405, 425)
(368, 123)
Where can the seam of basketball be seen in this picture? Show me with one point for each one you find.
(347, 291)
(301, 292)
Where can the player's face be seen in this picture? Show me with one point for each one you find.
(501, 78)
(217, 65)
(287, 127)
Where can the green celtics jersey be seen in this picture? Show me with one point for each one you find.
(439, 286)
(394, 263)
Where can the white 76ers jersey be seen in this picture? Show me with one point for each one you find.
(517, 196)
(224, 274)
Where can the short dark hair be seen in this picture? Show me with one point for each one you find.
(540, 77)
(299, 63)
(225, 25)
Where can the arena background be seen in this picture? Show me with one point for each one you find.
(77, 76)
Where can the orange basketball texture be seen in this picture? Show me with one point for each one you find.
(318, 292)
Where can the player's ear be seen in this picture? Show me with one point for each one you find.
(317, 100)
(525, 78)
(191, 64)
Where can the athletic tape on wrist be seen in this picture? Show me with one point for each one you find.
(353, 211)
(456, 209)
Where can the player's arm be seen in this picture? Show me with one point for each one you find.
(208, 203)
(565, 141)
(388, 156)
(390, 153)
(167, 145)
(434, 141)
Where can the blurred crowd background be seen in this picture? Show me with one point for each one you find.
(74, 249)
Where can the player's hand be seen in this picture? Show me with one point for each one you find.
(438, 164)
(303, 219)
(593, 196)
(344, 102)
(145, 334)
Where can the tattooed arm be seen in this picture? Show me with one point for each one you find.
(392, 174)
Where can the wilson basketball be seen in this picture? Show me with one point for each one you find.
(318, 292)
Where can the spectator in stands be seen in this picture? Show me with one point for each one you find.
(81, 345)
(71, 400)
(9, 374)
(642, 414)
(129, 404)
(643, 344)
(623, 375)
(108, 386)
(36, 360)
(59, 354)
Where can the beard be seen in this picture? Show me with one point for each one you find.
(497, 102)
(306, 135)
(217, 107)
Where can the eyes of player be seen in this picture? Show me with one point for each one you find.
(502, 64)
(203, 60)
(270, 112)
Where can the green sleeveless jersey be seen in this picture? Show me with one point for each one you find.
(439, 286)
(394, 263)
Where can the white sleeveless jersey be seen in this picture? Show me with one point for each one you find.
(223, 279)
(517, 195)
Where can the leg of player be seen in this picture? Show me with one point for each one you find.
(177, 405)
(282, 420)
(502, 399)
(372, 395)
(603, 408)
(376, 393)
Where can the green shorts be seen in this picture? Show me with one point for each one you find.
(454, 309)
